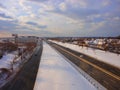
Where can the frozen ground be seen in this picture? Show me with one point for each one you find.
(55, 73)
(107, 57)
(6, 60)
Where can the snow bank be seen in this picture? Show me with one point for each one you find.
(55, 73)
(6, 60)
(107, 57)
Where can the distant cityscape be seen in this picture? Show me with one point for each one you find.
(111, 44)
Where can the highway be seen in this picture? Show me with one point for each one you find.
(108, 76)
(55, 73)
(25, 78)
(105, 74)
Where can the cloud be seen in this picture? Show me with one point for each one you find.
(78, 14)
(39, 0)
(106, 31)
(8, 24)
(77, 3)
(2, 6)
(42, 26)
(37, 25)
(60, 17)
(32, 23)
(62, 6)
(4, 16)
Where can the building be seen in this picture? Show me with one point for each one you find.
(6, 40)
(26, 39)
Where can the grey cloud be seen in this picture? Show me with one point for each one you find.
(72, 12)
(31, 23)
(82, 13)
(39, 0)
(39, 33)
(77, 13)
(93, 8)
(42, 26)
(7, 25)
(5, 16)
(37, 25)
(107, 30)
(2, 6)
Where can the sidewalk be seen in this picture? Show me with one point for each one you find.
(55, 73)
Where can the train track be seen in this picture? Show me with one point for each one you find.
(105, 74)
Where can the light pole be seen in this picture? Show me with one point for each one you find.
(15, 36)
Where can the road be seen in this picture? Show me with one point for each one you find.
(25, 78)
(55, 73)
(105, 74)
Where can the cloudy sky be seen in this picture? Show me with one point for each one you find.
(60, 17)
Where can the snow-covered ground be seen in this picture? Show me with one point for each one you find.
(6, 60)
(55, 73)
(107, 57)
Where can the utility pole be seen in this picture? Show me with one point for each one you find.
(16, 42)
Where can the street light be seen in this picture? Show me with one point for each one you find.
(15, 36)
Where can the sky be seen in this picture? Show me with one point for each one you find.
(55, 18)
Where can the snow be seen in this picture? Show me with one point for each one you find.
(107, 57)
(55, 73)
(6, 60)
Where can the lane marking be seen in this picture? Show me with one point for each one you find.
(101, 69)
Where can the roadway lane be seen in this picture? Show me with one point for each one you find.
(105, 77)
(25, 78)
